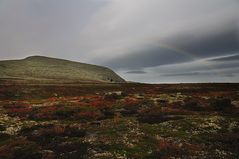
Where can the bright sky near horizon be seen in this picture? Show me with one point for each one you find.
(156, 41)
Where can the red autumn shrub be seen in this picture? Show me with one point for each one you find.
(45, 112)
(53, 99)
(175, 111)
(88, 115)
(167, 149)
(102, 104)
(20, 110)
(18, 104)
(130, 102)
(48, 109)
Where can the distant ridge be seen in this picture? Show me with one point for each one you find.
(43, 68)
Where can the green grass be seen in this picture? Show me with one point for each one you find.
(55, 70)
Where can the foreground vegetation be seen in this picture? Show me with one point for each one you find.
(119, 121)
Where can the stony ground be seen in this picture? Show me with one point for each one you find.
(119, 121)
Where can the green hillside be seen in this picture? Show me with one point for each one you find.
(45, 68)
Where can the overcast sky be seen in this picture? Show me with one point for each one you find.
(156, 41)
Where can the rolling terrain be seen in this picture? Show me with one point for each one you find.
(50, 70)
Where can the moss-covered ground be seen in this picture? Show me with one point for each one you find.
(107, 121)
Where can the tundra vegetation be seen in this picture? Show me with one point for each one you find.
(102, 121)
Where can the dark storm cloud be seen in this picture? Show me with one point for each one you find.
(149, 57)
(228, 74)
(136, 72)
(182, 74)
(213, 43)
(194, 46)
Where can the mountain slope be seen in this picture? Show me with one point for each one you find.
(45, 68)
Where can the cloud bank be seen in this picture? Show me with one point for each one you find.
(142, 40)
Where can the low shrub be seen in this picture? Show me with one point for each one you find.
(229, 139)
(20, 149)
(88, 115)
(155, 115)
(63, 113)
(191, 104)
(221, 104)
(73, 150)
(166, 149)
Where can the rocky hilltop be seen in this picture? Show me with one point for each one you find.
(51, 69)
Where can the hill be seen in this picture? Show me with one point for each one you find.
(40, 68)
